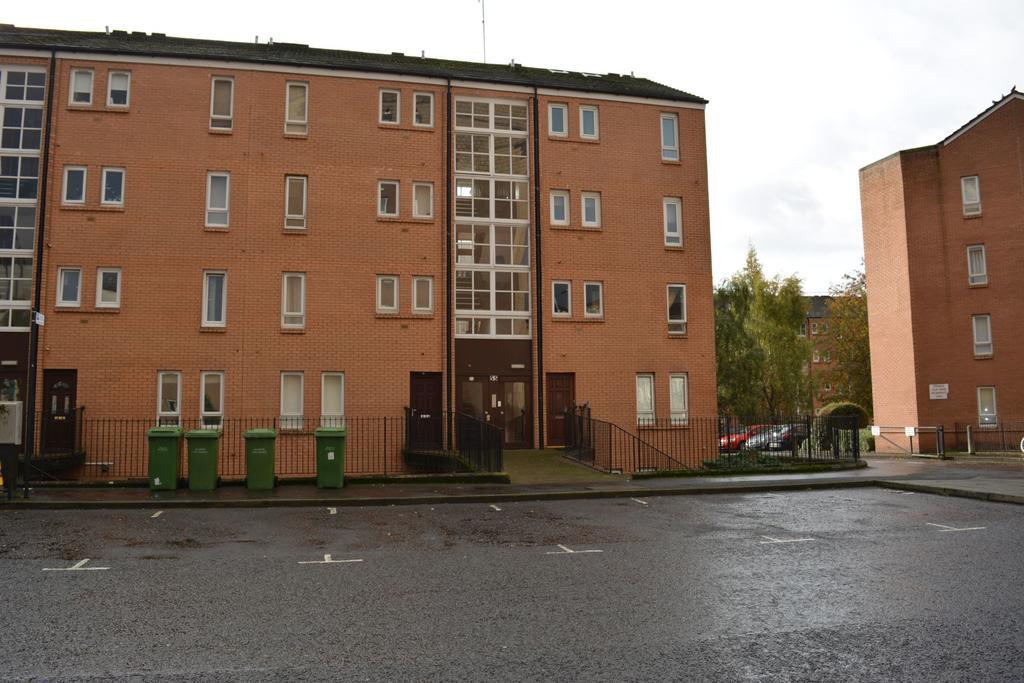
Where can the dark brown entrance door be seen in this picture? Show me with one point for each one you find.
(561, 397)
(58, 418)
(425, 401)
(501, 401)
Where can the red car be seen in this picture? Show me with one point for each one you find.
(736, 439)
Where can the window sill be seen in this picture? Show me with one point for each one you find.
(107, 309)
(400, 219)
(672, 162)
(68, 308)
(673, 247)
(987, 356)
(404, 316)
(107, 208)
(293, 330)
(592, 141)
(562, 318)
(577, 227)
(678, 335)
(294, 231)
(213, 330)
(221, 131)
(972, 217)
(983, 285)
(555, 136)
(591, 319)
(297, 136)
(210, 228)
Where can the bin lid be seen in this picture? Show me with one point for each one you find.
(330, 431)
(164, 430)
(203, 434)
(260, 433)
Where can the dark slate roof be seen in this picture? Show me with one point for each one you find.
(291, 54)
(817, 306)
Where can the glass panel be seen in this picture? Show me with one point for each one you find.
(388, 199)
(593, 299)
(222, 97)
(557, 119)
(119, 89)
(677, 395)
(169, 393)
(218, 192)
(424, 110)
(296, 102)
(589, 122)
(387, 292)
(74, 189)
(589, 210)
(291, 394)
(82, 81)
(215, 298)
(561, 298)
(675, 303)
(424, 200)
(389, 106)
(423, 294)
(69, 286)
(472, 399)
(113, 187)
(333, 395)
(109, 285)
(644, 394)
(293, 294)
(211, 393)
(296, 198)
(558, 208)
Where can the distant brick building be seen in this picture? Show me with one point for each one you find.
(943, 242)
(816, 328)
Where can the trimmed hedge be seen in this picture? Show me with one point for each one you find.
(846, 409)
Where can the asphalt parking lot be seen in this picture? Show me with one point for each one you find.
(851, 584)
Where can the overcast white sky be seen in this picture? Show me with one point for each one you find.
(802, 94)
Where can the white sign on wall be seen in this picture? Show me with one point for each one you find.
(910, 431)
(876, 430)
(938, 392)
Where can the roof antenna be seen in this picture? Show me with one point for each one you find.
(257, 39)
(423, 54)
(107, 30)
(483, 25)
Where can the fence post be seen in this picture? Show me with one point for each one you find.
(970, 441)
(855, 433)
(941, 434)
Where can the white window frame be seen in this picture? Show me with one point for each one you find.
(677, 202)
(564, 195)
(161, 414)
(75, 303)
(85, 185)
(597, 123)
(970, 208)
(287, 202)
(295, 123)
(398, 198)
(815, 357)
(396, 282)
(669, 148)
(227, 199)
(285, 313)
(568, 287)
(596, 196)
(398, 107)
(995, 409)
(72, 91)
(331, 419)
(416, 212)
(668, 309)
(99, 288)
(977, 279)
(430, 294)
(206, 300)
(645, 417)
(128, 90)
(416, 96)
(814, 327)
(565, 119)
(679, 415)
(230, 116)
(103, 185)
(979, 345)
(293, 420)
(600, 298)
(203, 413)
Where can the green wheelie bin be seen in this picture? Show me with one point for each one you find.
(164, 456)
(330, 457)
(203, 446)
(259, 459)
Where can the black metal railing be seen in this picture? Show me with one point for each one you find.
(993, 437)
(607, 447)
(451, 442)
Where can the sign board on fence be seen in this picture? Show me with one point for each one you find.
(910, 431)
(876, 430)
(938, 392)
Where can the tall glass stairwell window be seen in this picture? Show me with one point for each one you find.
(492, 211)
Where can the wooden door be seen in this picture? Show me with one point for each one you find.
(425, 401)
(561, 397)
(58, 428)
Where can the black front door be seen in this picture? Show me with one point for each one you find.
(58, 428)
(426, 416)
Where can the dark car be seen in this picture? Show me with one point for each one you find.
(778, 438)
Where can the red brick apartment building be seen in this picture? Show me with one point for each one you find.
(815, 327)
(943, 243)
(219, 230)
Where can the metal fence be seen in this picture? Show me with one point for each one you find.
(998, 437)
(452, 442)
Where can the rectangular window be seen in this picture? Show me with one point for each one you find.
(669, 137)
(293, 300)
(81, 87)
(982, 335)
(593, 299)
(168, 400)
(645, 399)
(17, 227)
(423, 294)
(673, 221)
(215, 286)
(558, 119)
(559, 207)
(588, 123)
(970, 191)
(423, 200)
(561, 299)
(296, 117)
(677, 309)
(291, 400)
(816, 357)
(389, 106)
(987, 415)
(977, 268)
(24, 85)
(113, 187)
(108, 288)
(69, 286)
(679, 398)
(295, 202)
(803, 329)
(211, 399)
(218, 199)
(814, 328)
(827, 357)
(74, 184)
(22, 128)
(591, 209)
(332, 399)
(118, 88)
(222, 103)
(387, 294)
(19, 177)
(387, 198)
(423, 109)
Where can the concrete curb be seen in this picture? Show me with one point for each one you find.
(951, 491)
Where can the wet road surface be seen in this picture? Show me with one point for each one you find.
(852, 584)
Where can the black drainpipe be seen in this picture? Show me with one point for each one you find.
(448, 338)
(33, 351)
(538, 315)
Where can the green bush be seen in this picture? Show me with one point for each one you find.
(846, 409)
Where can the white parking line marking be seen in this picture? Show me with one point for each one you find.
(943, 527)
(569, 551)
(783, 540)
(637, 500)
(333, 511)
(327, 560)
(156, 514)
(496, 508)
(77, 567)
(902, 493)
